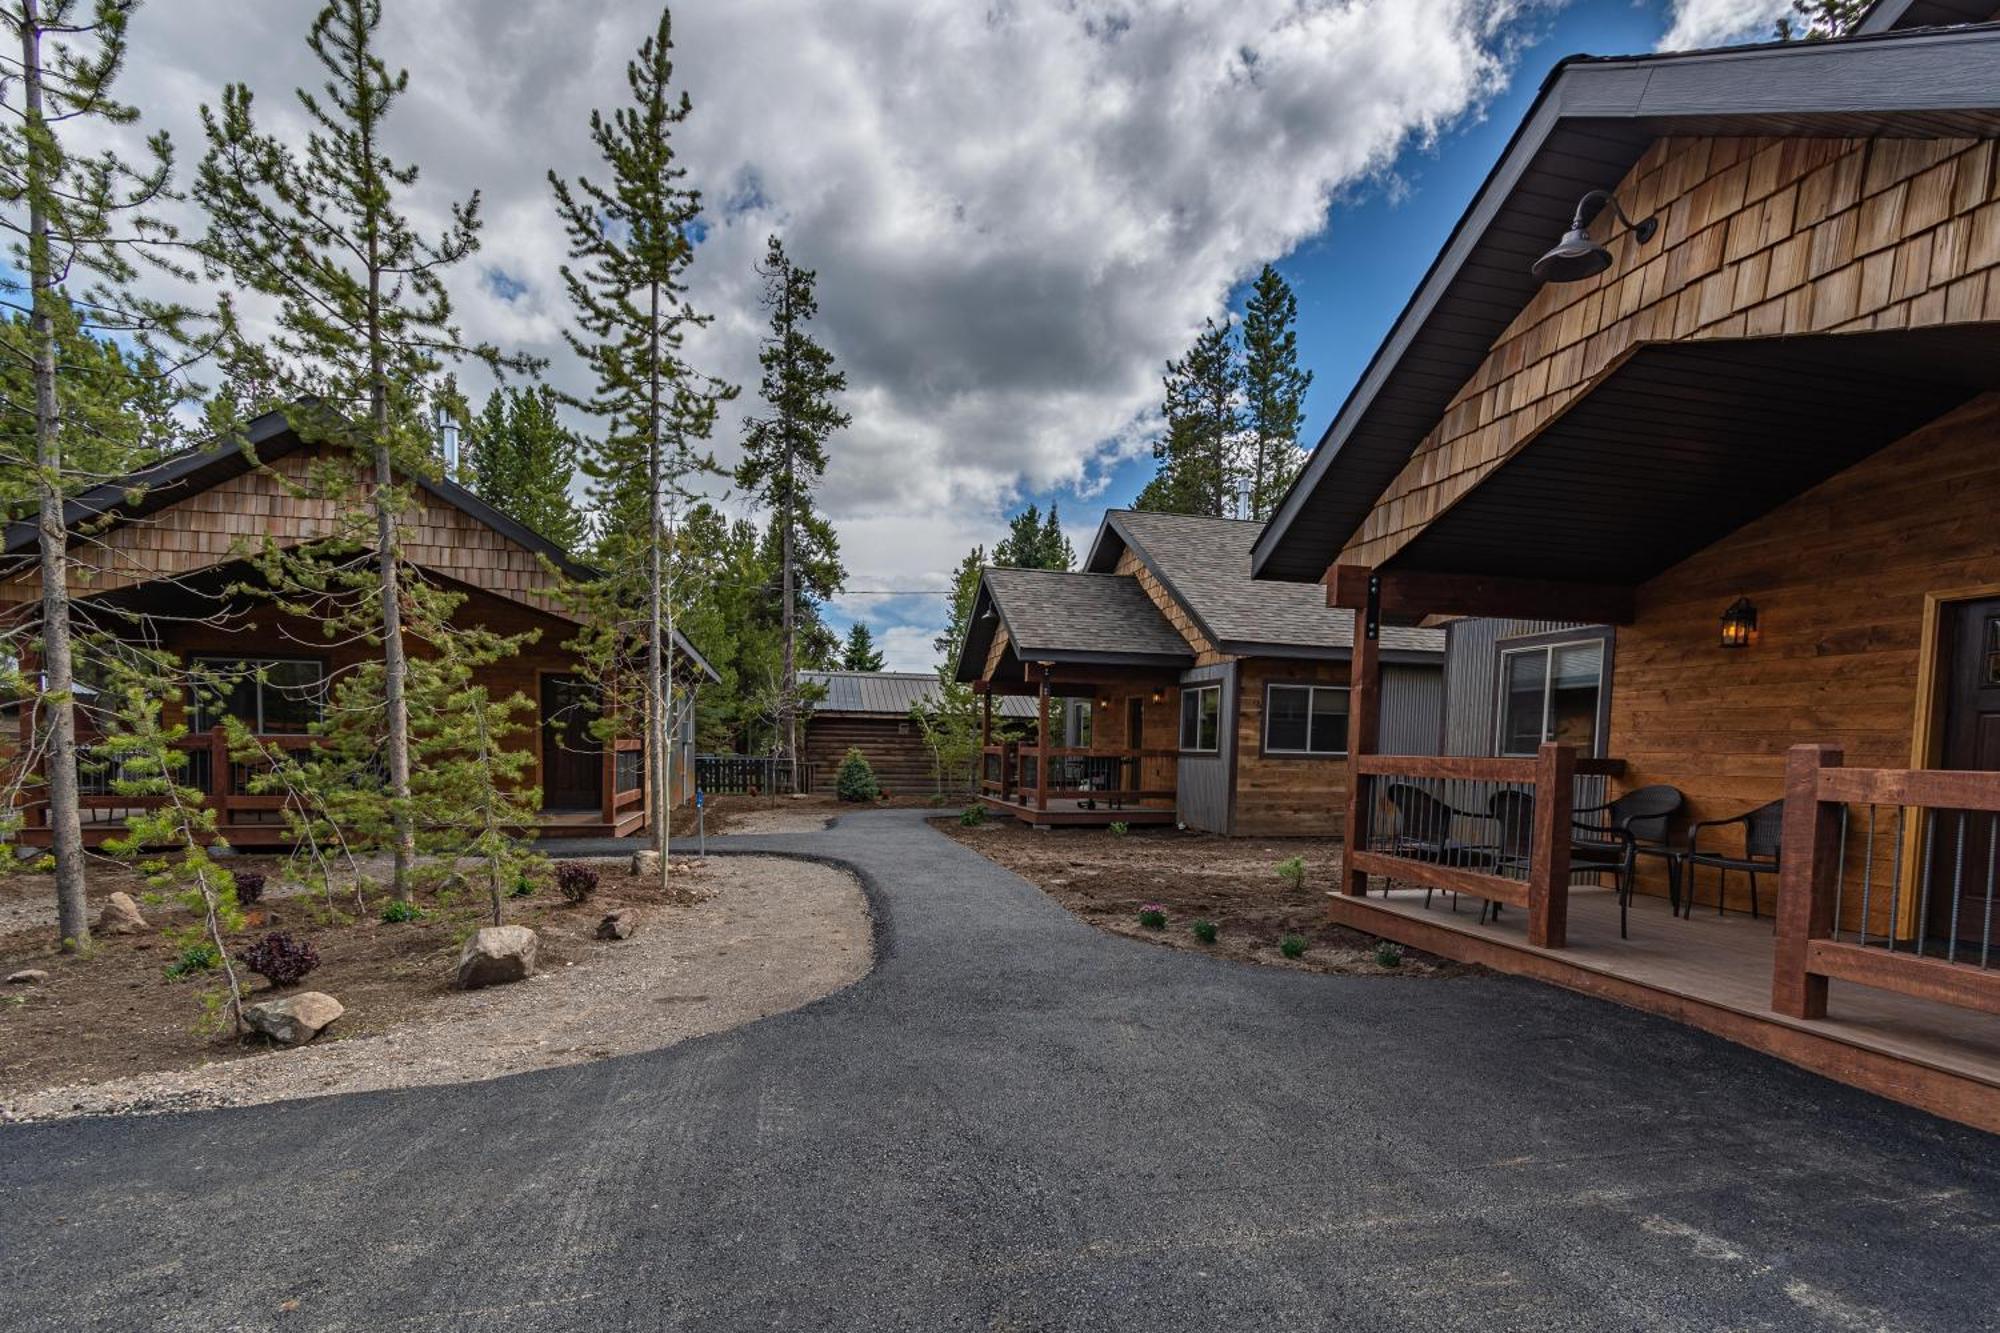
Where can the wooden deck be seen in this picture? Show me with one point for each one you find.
(1071, 812)
(1715, 973)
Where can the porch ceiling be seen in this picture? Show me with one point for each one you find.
(1685, 443)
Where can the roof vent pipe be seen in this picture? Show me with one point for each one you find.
(447, 427)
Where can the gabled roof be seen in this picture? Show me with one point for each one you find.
(1592, 120)
(1085, 619)
(892, 693)
(1902, 15)
(1204, 563)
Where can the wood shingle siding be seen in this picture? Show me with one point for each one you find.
(1759, 237)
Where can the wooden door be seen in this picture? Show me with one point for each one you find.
(1135, 723)
(1971, 741)
(572, 759)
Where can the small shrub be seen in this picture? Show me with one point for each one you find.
(249, 887)
(1389, 954)
(1292, 946)
(972, 816)
(399, 910)
(1153, 916)
(281, 959)
(1292, 870)
(857, 779)
(1205, 930)
(1119, 828)
(938, 800)
(524, 886)
(576, 880)
(194, 960)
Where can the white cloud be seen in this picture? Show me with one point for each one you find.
(1018, 208)
(1703, 23)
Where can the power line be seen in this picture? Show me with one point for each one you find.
(894, 592)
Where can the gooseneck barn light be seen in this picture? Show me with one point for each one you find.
(1576, 256)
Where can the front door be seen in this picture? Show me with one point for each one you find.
(1971, 741)
(572, 759)
(1135, 723)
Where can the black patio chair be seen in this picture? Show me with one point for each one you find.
(1763, 849)
(1513, 811)
(1613, 836)
(1424, 829)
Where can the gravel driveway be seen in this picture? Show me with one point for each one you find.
(1017, 1122)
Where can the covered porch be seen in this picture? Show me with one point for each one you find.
(1113, 778)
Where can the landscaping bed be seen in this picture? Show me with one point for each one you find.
(1109, 879)
(111, 1032)
(788, 814)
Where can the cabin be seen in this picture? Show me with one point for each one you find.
(163, 555)
(1712, 361)
(869, 711)
(1182, 690)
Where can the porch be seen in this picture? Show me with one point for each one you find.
(1072, 785)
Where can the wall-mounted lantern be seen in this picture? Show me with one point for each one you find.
(1739, 624)
(1159, 696)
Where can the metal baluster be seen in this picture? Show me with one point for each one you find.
(1896, 873)
(1840, 875)
(1868, 872)
(1930, 858)
(1957, 895)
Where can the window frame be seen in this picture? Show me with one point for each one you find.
(1264, 746)
(1192, 690)
(1548, 644)
(255, 662)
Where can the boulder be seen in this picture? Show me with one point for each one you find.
(34, 976)
(294, 1020)
(120, 916)
(618, 925)
(496, 955)
(646, 865)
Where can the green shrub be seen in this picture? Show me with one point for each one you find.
(1119, 828)
(1153, 916)
(398, 910)
(857, 779)
(1292, 946)
(972, 816)
(524, 886)
(1389, 954)
(1292, 870)
(194, 960)
(939, 800)
(1205, 930)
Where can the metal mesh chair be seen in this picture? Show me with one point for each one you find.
(1763, 849)
(1613, 836)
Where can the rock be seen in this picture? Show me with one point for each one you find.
(120, 916)
(34, 976)
(294, 1020)
(646, 865)
(618, 925)
(496, 955)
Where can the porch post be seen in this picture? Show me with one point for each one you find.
(1042, 743)
(1364, 711)
(608, 764)
(985, 727)
(218, 775)
(1809, 876)
(37, 815)
(1548, 868)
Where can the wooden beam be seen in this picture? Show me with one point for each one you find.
(1808, 881)
(1364, 711)
(1548, 864)
(1407, 594)
(1042, 740)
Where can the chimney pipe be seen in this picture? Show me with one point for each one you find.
(448, 443)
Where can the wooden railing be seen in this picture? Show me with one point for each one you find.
(1940, 847)
(226, 783)
(1015, 771)
(624, 776)
(1495, 829)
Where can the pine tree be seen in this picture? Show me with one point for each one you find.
(860, 652)
(1274, 391)
(363, 326)
(1035, 541)
(1200, 467)
(784, 455)
(82, 224)
(1817, 20)
(630, 248)
(964, 592)
(523, 461)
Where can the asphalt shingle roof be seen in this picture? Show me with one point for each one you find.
(891, 693)
(1205, 563)
(1056, 611)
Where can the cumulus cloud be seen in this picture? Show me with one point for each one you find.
(1018, 208)
(1703, 23)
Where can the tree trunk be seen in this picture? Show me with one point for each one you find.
(790, 667)
(658, 661)
(55, 714)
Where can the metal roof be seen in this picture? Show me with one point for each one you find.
(1592, 120)
(1899, 15)
(1205, 564)
(892, 693)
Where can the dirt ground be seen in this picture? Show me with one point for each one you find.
(113, 1033)
(784, 814)
(1105, 878)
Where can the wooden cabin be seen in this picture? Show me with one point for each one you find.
(1753, 426)
(166, 546)
(869, 711)
(1174, 689)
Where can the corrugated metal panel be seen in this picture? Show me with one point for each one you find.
(891, 693)
(1412, 708)
(1471, 688)
(1202, 782)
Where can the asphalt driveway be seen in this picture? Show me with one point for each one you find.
(1019, 1123)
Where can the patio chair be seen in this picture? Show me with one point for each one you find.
(1763, 848)
(1513, 812)
(1614, 835)
(1424, 832)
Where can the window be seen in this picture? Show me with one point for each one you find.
(274, 696)
(1305, 719)
(1201, 718)
(1550, 693)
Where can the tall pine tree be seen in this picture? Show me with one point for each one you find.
(1035, 541)
(1274, 391)
(630, 246)
(523, 461)
(363, 325)
(859, 653)
(1199, 456)
(1817, 20)
(784, 456)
